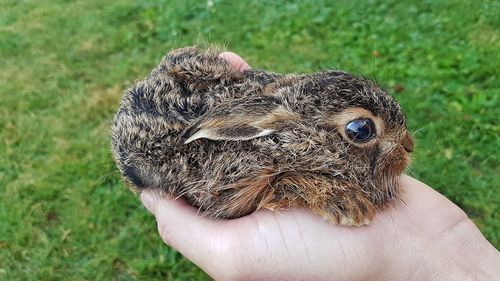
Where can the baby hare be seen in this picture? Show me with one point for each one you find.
(231, 142)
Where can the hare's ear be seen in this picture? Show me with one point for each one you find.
(238, 132)
(240, 121)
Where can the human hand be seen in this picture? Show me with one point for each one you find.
(422, 237)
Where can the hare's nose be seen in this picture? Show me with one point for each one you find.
(407, 142)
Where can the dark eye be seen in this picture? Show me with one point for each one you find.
(360, 130)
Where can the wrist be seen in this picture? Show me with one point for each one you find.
(458, 253)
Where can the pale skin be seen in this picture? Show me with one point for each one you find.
(424, 236)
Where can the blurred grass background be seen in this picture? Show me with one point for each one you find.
(65, 215)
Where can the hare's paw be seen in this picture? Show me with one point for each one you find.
(345, 218)
(357, 211)
(349, 221)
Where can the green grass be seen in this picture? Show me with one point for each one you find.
(65, 215)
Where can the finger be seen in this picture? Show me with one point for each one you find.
(422, 205)
(235, 60)
(422, 198)
(181, 227)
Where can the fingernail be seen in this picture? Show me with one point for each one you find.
(148, 201)
(235, 61)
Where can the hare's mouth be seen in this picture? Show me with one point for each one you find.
(400, 164)
(393, 163)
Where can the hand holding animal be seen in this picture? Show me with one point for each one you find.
(231, 142)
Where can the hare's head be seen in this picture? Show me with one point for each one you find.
(365, 125)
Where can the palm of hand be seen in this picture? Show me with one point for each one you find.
(296, 244)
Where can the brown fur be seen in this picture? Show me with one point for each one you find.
(233, 142)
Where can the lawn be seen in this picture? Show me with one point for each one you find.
(65, 214)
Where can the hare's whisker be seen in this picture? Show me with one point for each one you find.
(420, 129)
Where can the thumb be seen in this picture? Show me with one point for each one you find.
(235, 61)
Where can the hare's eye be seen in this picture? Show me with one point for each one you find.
(360, 130)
